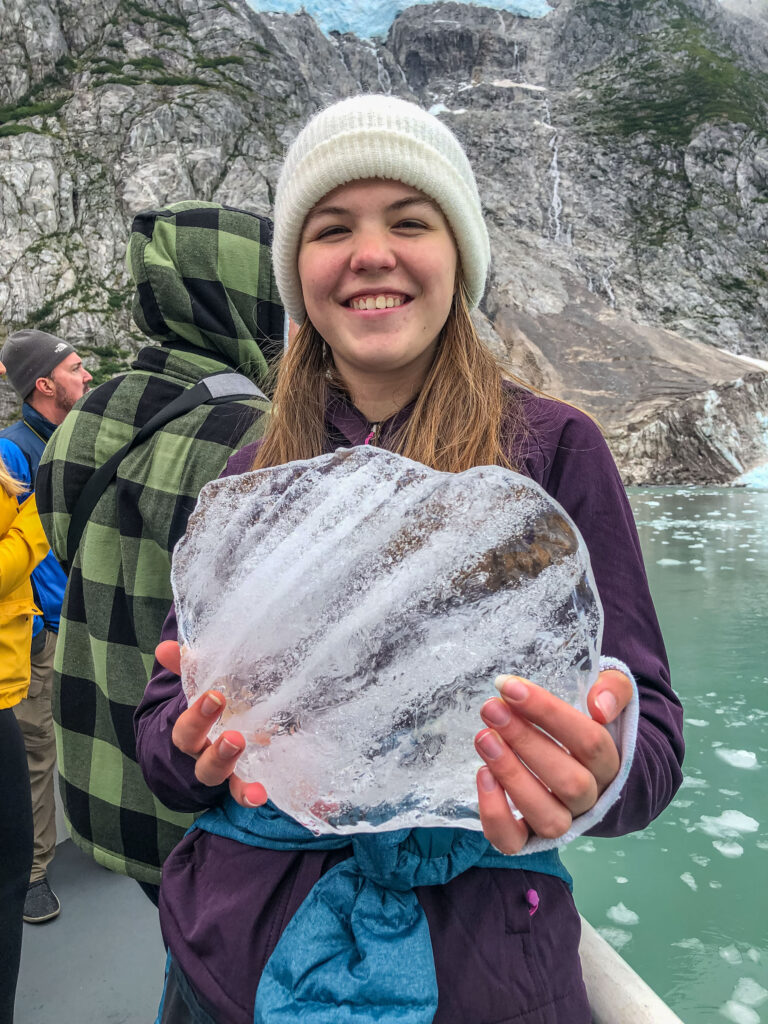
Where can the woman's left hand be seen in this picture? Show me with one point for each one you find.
(549, 785)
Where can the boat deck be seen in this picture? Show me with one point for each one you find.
(101, 961)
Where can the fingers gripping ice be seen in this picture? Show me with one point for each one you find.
(355, 610)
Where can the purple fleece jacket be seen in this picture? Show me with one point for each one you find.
(223, 906)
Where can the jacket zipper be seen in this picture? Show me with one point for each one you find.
(373, 437)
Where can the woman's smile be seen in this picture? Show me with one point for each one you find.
(377, 302)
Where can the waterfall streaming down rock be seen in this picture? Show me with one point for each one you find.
(555, 203)
(382, 75)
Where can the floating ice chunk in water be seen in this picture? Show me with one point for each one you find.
(740, 1007)
(621, 880)
(700, 723)
(729, 825)
(689, 880)
(622, 915)
(694, 943)
(730, 954)
(617, 937)
(355, 609)
(668, 561)
(738, 758)
(750, 992)
(730, 850)
(739, 1013)
(693, 782)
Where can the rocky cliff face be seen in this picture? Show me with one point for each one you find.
(621, 151)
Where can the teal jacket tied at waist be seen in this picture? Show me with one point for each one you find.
(359, 945)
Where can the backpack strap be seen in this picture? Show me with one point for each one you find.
(223, 386)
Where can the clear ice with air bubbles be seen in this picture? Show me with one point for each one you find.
(355, 610)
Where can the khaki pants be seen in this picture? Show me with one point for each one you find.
(35, 717)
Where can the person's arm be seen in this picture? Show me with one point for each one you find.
(22, 547)
(180, 764)
(169, 773)
(580, 473)
(585, 480)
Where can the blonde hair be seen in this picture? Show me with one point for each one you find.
(462, 417)
(8, 481)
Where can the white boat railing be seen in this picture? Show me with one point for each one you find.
(616, 993)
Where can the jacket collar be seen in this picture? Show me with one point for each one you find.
(345, 419)
(37, 423)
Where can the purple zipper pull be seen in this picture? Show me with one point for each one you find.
(532, 899)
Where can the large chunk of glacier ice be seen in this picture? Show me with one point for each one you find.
(355, 609)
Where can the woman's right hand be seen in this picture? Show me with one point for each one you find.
(215, 761)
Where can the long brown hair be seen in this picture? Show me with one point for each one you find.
(463, 416)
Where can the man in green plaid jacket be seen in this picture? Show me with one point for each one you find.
(206, 293)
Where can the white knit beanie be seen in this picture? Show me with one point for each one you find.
(377, 137)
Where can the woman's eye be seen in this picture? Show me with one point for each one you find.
(334, 229)
(411, 225)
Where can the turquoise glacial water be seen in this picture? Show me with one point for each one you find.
(686, 901)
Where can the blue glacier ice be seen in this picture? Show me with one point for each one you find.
(757, 477)
(374, 17)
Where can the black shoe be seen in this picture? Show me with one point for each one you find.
(41, 903)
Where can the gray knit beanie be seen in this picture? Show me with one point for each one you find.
(377, 137)
(30, 354)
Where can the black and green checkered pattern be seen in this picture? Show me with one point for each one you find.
(203, 276)
(119, 592)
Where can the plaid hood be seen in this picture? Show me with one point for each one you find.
(203, 276)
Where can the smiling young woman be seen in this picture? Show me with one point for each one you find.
(380, 253)
(418, 240)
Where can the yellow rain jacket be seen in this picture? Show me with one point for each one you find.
(22, 546)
